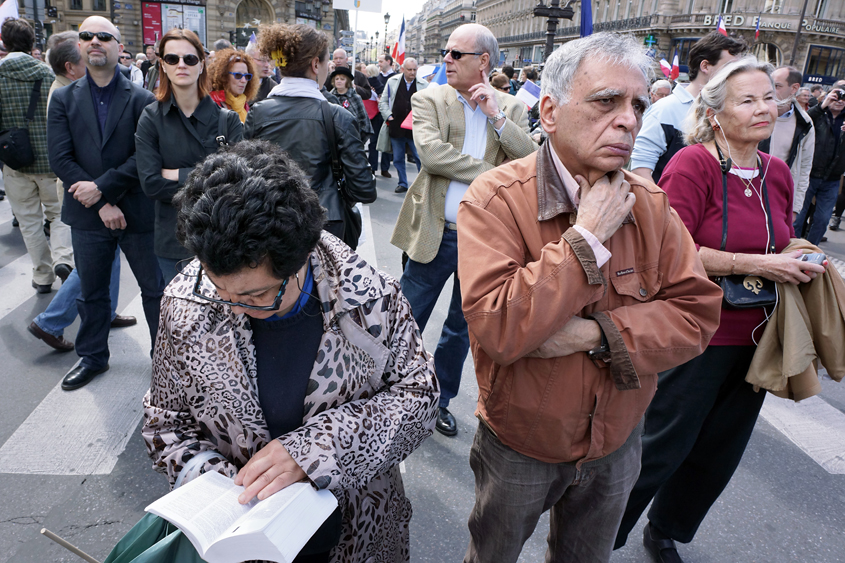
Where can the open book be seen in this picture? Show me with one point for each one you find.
(224, 531)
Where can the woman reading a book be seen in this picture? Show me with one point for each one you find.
(288, 357)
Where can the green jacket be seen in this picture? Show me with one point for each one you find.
(17, 75)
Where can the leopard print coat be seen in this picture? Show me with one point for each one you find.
(371, 398)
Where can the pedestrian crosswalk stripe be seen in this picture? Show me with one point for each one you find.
(812, 425)
(83, 432)
(16, 281)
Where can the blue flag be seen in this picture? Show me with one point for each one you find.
(586, 18)
(440, 77)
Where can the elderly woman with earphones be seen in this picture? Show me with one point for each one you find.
(736, 203)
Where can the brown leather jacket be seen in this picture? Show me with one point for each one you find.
(521, 281)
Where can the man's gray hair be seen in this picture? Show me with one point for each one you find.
(714, 95)
(409, 60)
(221, 44)
(485, 42)
(660, 84)
(63, 48)
(607, 47)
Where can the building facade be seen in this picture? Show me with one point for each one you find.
(143, 23)
(666, 26)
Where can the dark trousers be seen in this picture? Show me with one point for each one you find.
(377, 122)
(696, 430)
(94, 253)
(824, 192)
(421, 285)
(512, 490)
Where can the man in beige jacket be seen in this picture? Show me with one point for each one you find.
(461, 129)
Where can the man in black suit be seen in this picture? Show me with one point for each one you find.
(91, 138)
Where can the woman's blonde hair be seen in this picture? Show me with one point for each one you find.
(221, 66)
(713, 97)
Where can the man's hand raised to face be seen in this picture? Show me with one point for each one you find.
(604, 205)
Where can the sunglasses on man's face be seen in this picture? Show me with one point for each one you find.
(239, 75)
(103, 36)
(125, 57)
(173, 60)
(456, 54)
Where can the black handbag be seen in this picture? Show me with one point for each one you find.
(15, 148)
(745, 291)
(352, 223)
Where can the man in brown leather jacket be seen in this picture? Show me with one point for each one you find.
(580, 283)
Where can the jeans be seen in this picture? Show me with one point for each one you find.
(171, 267)
(62, 310)
(94, 252)
(377, 122)
(421, 285)
(512, 490)
(696, 430)
(399, 157)
(825, 193)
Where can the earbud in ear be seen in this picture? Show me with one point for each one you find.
(716, 119)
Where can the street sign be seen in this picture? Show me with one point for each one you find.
(347, 41)
(347, 33)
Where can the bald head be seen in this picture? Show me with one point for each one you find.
(482, 38)
(101, 55)
(409, 69)
(340, 58)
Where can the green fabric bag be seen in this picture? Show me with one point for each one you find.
(154, 540)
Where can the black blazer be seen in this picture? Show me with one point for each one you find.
(78, 152)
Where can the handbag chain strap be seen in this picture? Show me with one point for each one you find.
(33, 101)
(724, 167)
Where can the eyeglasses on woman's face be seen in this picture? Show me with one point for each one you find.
(103, 36)
(277, 302)
(241, 75)
(172, 59)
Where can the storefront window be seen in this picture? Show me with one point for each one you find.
(824, 61)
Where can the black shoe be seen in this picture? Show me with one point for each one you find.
(55, 342)
(2, 195)
(42, 288)
(386, 174)
(824, 239)
(834, 223)
(446, 424)
(400, 189)
(119, 321)
(80, 377)
(63, 271)
(15, 222)
(47, 229)
(661, 550)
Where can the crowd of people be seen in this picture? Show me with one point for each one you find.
(613, 272)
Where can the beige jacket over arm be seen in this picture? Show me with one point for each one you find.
(439, 130)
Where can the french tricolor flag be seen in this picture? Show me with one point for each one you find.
(757, 31)
(676, 67)
(722, 29)
(529, 94)
(665, 67)
(399, 48)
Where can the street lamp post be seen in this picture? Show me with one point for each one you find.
(386, 20)
(554, 12)
(375, 45)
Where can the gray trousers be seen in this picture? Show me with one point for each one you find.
(512, 491)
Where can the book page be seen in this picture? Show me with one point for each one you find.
(266, 510)
(203, 509)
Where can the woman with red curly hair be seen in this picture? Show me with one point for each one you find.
(234, 80)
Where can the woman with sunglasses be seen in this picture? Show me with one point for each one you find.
(292, 117)
(234, 80)
(284, 357)
(176, 133)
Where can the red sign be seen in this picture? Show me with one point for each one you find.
(152, 22)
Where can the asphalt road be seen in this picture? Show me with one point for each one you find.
(78, 466)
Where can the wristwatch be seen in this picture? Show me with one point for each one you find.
(602, 351)
(497, 117)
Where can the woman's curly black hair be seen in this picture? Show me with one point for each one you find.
(246, 205)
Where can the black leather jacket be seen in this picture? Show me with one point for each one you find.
(829, 158)
(296, 125)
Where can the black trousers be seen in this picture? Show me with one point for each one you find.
(696, 430)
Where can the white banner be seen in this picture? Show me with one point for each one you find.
(363, 5)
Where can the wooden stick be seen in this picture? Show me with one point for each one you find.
(72, 548)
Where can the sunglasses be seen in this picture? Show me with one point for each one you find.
(456, 54)
(173, 60)
(277, 302)
(103, 36)
(239, 75)
(504, 89)
(125, 57)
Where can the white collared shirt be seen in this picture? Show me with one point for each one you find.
(475, 145)
(573, 189)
